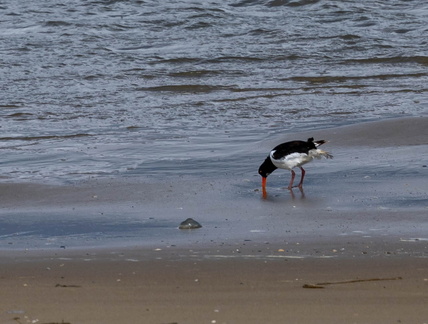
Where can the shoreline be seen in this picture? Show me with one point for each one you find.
(372, 193)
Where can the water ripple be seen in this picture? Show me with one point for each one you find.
(82, 81)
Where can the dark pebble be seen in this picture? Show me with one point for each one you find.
(189, 223)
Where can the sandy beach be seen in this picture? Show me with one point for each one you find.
(351, 248)
(178, 287)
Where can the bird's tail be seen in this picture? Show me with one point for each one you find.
(320, 153)
(318, 143)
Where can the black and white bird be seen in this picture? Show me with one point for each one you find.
(290, 155)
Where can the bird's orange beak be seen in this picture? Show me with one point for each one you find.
(264, 192)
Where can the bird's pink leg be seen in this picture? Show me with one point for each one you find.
(293, 174)
(300, 185)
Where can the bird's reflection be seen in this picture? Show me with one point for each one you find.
(292, 194)
(302, 193)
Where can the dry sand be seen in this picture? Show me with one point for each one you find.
(379, 276)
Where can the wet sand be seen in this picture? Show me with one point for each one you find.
(360, 224)
(179, 287)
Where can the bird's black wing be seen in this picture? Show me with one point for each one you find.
(285, 149)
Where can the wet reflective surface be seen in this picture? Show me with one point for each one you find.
(146, 113)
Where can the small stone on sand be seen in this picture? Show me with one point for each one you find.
(189, 223)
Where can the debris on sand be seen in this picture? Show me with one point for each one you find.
(189, 223)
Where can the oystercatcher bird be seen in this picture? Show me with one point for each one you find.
(290, 155)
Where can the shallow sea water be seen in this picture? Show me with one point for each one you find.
(143, 88)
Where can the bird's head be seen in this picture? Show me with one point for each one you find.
(263, 172)
(266, 168)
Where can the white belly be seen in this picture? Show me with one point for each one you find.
(296, 159)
